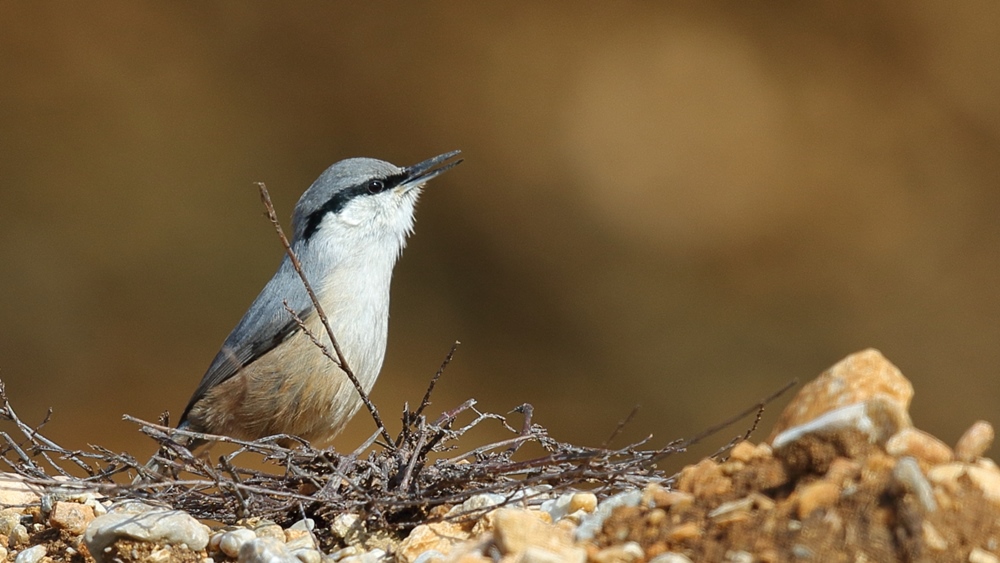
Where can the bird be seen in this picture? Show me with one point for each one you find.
(269, 378)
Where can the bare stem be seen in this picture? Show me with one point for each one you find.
(341, 361)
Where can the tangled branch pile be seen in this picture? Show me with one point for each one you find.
(392, 486)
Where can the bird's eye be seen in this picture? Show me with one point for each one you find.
(376, 186)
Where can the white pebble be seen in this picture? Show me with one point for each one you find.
(138, 521)
(592, 523)
(671, 558)
(266, 550)
(31, 555)
(308, 555)
(231, 541)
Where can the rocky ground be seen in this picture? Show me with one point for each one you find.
(844, 476)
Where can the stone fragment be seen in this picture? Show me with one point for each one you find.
(907, 474)
(71, 517)
(974, 442)
(18, 536)
(932, 538)
(14, 492)
(265, 550)
(852, 432)
(744, 451)
(685, 531)
(31, 555)
(704, 479)
(9, 518)
(740, 505)
(307, 555)
(592, 523)
(624, 553)
(138, 521)
(979, 555)
(440, 537)
(515, 531)
(918, 444)
(232, 541)
(814, 496)
(858, 378)
(671, 558)
(986, 480)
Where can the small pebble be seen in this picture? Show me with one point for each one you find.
(265, 550)
(9, 518)
(31, 555)
(231, 541)
(919, 444)
(71, 516)
(307, 555)
(270, 530)
(974, 442)
(932, 537)
(624, 553)
(592, 523)
(907, 473)
(18, 536)
(978, 555)
(671, 558)
(817, 495)
(139, 521)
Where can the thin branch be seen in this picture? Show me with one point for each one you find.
(341, 360)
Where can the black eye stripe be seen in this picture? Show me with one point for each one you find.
(340, 199)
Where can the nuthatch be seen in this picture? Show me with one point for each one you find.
(349, 229)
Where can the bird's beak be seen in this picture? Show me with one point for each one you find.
(420, 173)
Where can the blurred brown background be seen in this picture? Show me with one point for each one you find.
(681, 205)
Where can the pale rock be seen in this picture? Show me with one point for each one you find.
(670, 557)
(918, 444)
(138, 521)
(375, 555)
(739, 557)
(978, 555)
(814, 496)
(908, 475)
(430, 556)
(516, 530)
(9, 518)
(232, 541)
(71, 517)
(876, 419)
(347, 525)
(932, 537)
(987, 480)
(624, 553)
(974, 442)
(477, 504)
(570, 504)
(685, 531)
(435, 536)
(592, 523)
(307, 555)
(743, 452)
(302, 540)
(739, 505)
(18, 536)
(14, 492)
(270, 530)
(31, 555)
(858, 378)
(265, 550)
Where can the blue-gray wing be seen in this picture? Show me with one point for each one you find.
(265, 325)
